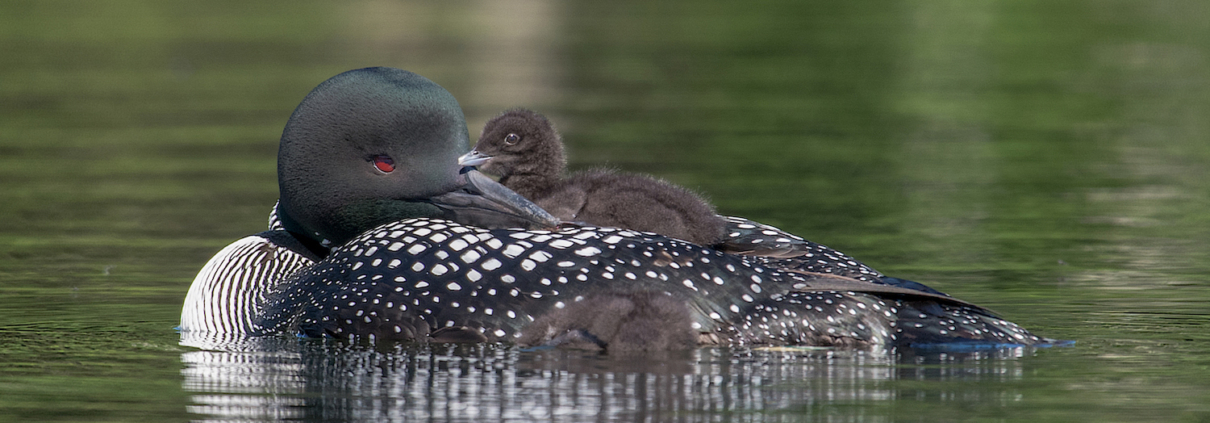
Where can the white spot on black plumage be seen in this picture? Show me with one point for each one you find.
(588, 251)
(470, 256)
(513, 250)
(540, 256)
(457, 245)
(491, 264)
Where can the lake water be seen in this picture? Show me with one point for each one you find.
(1047, 159)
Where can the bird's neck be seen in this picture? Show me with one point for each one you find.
(531, 185)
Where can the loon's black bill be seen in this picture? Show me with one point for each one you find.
(473, 158)
(485, 203)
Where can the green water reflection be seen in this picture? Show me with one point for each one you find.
(1046, 159)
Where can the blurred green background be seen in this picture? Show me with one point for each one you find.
(1048, 159)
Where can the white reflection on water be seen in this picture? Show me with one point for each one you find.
(272, 379)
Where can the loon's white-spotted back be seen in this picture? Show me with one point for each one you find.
(404, 280)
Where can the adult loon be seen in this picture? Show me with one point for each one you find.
(523, 148)
(384, 236)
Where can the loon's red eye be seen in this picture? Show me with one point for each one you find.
(384, 163)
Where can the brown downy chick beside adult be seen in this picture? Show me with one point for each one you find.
(616, 322)
(523, 148)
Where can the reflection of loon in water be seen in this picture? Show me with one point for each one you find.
(428, 251)
(281, 378)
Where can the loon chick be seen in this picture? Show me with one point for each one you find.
(616, 322)
(403, 244)
(523, 148)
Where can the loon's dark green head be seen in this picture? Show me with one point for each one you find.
(375, 145)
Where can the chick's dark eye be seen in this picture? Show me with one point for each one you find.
(511, 139)
(384, 163)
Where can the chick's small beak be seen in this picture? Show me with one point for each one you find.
(473, 158)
